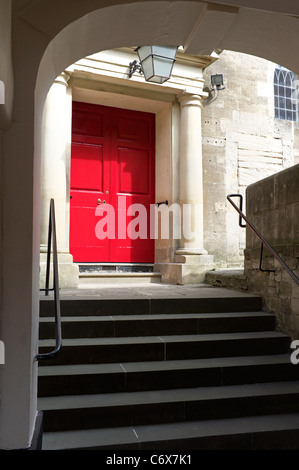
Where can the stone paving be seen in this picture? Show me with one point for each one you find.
(151, 291)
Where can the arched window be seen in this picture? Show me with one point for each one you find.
(285, 94)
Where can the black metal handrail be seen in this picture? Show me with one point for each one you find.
(53, 240)
(264, 242)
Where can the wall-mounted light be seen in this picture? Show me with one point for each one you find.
(156, 62)
(217, 81)
(217, 84)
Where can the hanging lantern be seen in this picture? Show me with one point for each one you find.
(157, 62)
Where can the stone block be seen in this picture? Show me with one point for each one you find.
(286, 186)
(288, 251)
(295, 306)
(260, 196)
(171, 272)
(187, 269)
(228, 278)
(68, 272)
(296, 221)
(295, 290)
(285, 289)
(194, 259)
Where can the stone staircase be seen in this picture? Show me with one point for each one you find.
(168, 374)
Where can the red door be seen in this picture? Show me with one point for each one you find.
(112, 184)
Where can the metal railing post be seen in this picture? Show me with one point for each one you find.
(53, 240)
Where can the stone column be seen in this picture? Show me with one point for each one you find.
(192, 254)
(191, 191)
(56, 148)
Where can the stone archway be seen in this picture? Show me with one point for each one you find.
(89, 34)
(46, 38)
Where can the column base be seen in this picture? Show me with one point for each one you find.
(67, 270)
(187, 269)
(191, 251)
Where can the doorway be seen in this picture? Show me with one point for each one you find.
(112, 182)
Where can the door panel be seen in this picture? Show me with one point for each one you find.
(132, 130)
(133, 177)
(88, 121)
(112, 162)
(87, 167)
(87, 188)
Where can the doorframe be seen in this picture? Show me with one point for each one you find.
(166, 111)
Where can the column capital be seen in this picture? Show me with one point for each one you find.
(189, 99)
(63, 79)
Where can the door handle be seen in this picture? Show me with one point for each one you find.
(163, 202)
(99, 201)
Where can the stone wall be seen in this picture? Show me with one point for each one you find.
(242, 143)
(273, 207)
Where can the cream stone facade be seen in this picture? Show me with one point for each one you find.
(208, 144)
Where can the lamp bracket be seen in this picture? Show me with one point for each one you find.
(133, 67)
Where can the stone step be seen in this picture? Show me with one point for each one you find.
(115, 268)
(270, 432)
(159, 324)
(165, 373)
(93, 275)
(98, 279)
(126, 305)
(163, 348)
(231, 278)
(68, 413)
(142, 376)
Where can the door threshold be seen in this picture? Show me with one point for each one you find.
(115, 267)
